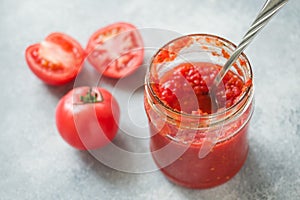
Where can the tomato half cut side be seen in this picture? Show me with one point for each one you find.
(56, 60)
(116, 50)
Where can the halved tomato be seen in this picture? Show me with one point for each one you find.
(56, 60)
(116, 50)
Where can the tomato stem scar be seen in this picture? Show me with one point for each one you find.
(92, 97)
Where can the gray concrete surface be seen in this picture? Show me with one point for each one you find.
(35, 163)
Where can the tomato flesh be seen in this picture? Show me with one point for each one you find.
(56, 60)
(116, 50)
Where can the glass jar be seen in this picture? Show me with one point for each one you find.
(192, 149)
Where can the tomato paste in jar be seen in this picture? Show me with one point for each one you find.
(183, 92)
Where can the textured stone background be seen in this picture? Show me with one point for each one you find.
(36, 164)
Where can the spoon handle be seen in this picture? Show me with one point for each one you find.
(268, 10)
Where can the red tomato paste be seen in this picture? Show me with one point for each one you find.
(185, 89)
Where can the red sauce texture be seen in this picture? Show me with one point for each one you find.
(186, 89)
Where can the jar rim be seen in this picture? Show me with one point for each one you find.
(245, 94)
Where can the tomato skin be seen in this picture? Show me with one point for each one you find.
(128, 59)
(87, 126)
(50, 75)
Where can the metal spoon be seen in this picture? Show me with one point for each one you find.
(263, 17)
(269, 9)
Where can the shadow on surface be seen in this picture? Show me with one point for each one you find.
(102, 171)
(59, 91)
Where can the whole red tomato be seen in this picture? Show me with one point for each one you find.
(116, 50)
(87, 118)
(56, 60)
